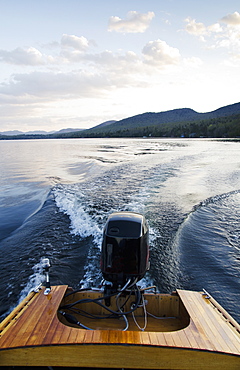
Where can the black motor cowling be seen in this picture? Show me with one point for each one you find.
(125, 248)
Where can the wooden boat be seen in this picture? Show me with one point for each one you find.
(128, 327)
(193, 332)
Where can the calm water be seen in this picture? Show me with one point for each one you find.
(55, 197)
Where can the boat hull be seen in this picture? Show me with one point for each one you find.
(33, 335)
(128, 356)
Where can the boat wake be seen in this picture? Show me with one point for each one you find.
(209, 241)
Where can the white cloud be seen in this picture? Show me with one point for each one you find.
(115, 63)
(20, 56)
(200, 30)
(39, 86)
(75, 84)
(134, 23)
(159, 53)
(232, 19)
(193, 62)
(225, 35)
(215, 28)
(75, 42)
(96, 74)
(72, 49)
(194, 28)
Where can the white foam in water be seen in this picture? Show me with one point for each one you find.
(35, 280)
(69, 201)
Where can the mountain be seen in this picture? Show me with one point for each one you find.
(104, 124)
(170, 123)
(68, 130)
(16, 132)
(40, 132)
(172, 116)
(11, 133)
(72, 133)
(185, 122)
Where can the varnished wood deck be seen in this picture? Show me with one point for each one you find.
(34, 336)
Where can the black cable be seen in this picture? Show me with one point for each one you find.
(89, 300)
(96, 300)
(90, 315)
(72, 320)
(76, 291)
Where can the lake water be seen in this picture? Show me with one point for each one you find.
(55, 197)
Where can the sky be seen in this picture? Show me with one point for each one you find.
(76, 64)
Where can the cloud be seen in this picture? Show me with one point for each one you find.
(194, 28)
(49, 86)
(134, 23)
(200, 30)
(74, 84)
(232, 19)
(193, 62)
(96, 74)
(71, 47)
(75, 42)
(215, 28)
(225, 35)
(159, 53)
(20, 56)
(114, 63)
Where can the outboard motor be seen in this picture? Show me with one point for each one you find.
(125, 248)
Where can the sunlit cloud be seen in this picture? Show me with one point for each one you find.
(135, 22)
(72, 41)
(193, 62)
(215, 28)
(195, 28)
(232, 19)
(56, 85)
(159, 53)
(87, 74)
(20, 56)
(223, 34)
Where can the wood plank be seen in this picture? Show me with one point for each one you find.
(223, 333)
(161, 339)
(80, 335)
(88, 336)
(16, 335)
(26, 324)
(220, 335)
(193, 336)
(144, 337)
(129, 337)
(104, 336)
(169, 338)
(115, 336)
(16, 312)
(194, 314)
(97, 338)
(73, 334)
(201, 341)
(153, 338)
(113, 356)
(218, 324)
(61, 334)
(208, 327)
(47, 321)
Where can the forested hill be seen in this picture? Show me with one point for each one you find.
(176, 115)
(223, 122)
